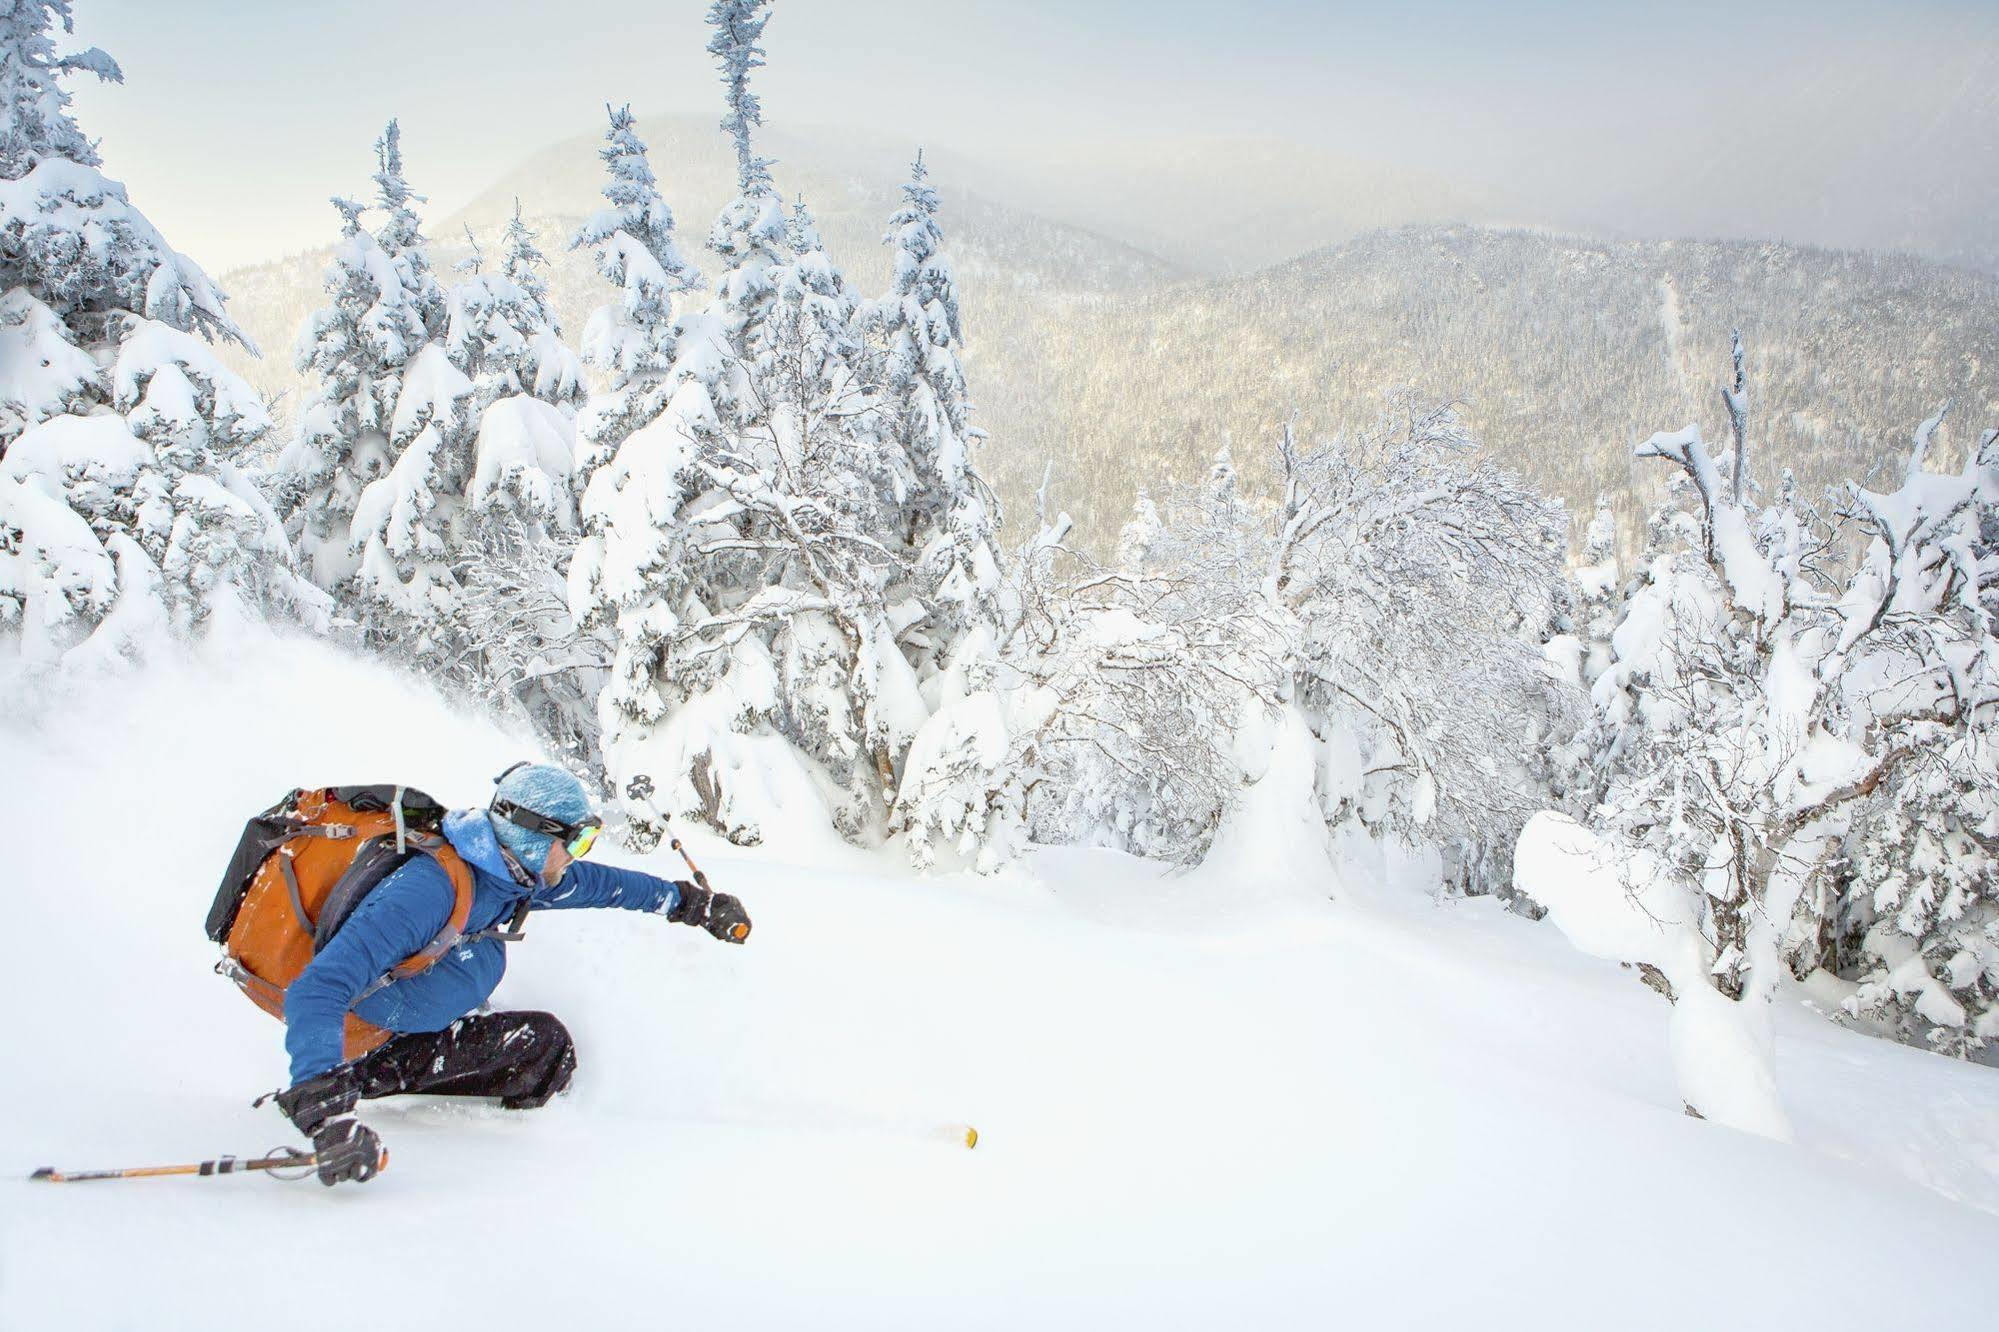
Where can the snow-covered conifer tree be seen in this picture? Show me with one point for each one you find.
(388, 457)
(946, 523)
(738, 537)
(1223, 486)
(1598, 589)
(122, 504)
(355, 345)
(634, 339)
(690, 709)
(972, 767)
(389, 410)
(751, 236)
(808, 469)
(506, 635)
(1140, 533)
(501, 332)
(950, 514)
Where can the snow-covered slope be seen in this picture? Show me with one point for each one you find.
(1335, 1104)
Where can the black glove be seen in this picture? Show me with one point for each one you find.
(311, 1103)
(718, 913)
(347, 1149)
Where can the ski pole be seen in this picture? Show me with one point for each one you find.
(283, 1158)
(741, 931)
(640, 788)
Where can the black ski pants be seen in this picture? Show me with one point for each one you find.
(522, 1058)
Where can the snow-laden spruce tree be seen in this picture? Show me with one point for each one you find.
(750, 540)
(381, 328)
(633, 573)
(1140, 534)
(408, 523)
(379, 476)
(811, 478)
(720, 534)
(969, 772)
(526, 389)
(511, 640)
(951, 516)
(500, 330)
(634, 340)
(123, 504)
(1599, 589)
(948, 532)
(1808, 746)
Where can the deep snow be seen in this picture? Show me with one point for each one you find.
(1249, 1097)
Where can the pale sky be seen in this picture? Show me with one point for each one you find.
(239, 117)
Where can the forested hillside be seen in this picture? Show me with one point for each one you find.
(1566, 353)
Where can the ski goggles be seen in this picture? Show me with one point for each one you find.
(576, 838)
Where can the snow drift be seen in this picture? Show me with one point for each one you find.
(1381, 1111)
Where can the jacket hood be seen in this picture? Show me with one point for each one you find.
(470, 833)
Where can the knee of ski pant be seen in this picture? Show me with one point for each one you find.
(547, 1030)
(552, 1060)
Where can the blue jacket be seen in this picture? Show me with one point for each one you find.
(405, 912)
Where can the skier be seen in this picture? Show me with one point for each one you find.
(523, 852)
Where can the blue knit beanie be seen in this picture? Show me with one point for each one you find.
(545, 789)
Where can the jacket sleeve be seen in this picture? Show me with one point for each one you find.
(401, 916)
(587, 885)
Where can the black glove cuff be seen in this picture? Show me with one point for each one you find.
(692, 908)
(311, 1103)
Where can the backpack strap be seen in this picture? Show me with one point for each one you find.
(461, 909)
(305, 922)
(516, 928)
(453, 932)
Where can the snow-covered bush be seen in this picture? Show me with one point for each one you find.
(1808, 743)
(1142, 675)
(1918, 901)
(1424, 580)
(525, 657)
(1598, 595)
(1627, 905)
(1395, 603)
(124, 504)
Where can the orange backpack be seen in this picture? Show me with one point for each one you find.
(302, 867)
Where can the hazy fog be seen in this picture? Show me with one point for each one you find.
(1826, 122)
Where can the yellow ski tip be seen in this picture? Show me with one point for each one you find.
(971, 1137)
